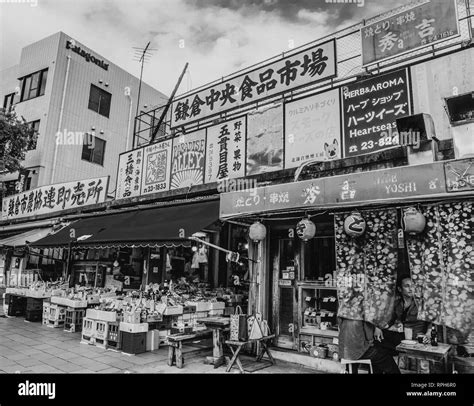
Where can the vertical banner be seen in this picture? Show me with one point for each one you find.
(225, 152)
(370, 110)
(129, 176)
(156, 167)
(187, 165)
(422, 25)
(312, 129)
(265, 140)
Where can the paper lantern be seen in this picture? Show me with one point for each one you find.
(257, 232)
(306, 229)
(413, 221)
(354, 224)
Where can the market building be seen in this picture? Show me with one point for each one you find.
(81, 105)
(308, 185)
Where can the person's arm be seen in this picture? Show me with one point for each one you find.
(378, 335)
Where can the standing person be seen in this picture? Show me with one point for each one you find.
(356, 341)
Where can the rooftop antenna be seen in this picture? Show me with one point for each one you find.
(142, 55)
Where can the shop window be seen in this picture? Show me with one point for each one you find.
(320, 261)
(99, 101)
(33, 85)
(95, 154)
(8, 101)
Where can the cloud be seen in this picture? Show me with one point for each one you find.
(216, 37)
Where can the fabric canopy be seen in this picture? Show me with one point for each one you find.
(158, 226)
(20, 240)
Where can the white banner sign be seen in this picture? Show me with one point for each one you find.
(129, 176)
(303, 68)
(156, 167)
(54, 198)
(225, 154)
(312, 129)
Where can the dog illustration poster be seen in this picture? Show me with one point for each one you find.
(225, 152)
(187, 164)
(312, 129)
(265, 140)
(156, 167)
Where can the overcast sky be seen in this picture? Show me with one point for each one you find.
(216, 37)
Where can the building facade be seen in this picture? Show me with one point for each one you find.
(81, 105)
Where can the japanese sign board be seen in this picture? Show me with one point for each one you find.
(305, 67)
(225, 153)
(187, 164)
(265, 140)
(383, 185)
(156, 167)
(460, 175)
(54, 198)
(312, 129)
(129, 176)
(370, 110)
(422, 25)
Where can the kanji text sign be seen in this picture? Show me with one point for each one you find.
(305, 67)
(54, 198)
(370, 110)
(129, 175)
(420, 26)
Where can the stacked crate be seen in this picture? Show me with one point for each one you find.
(88, 331)
(34, 309)
(133, 337)
(73, 321)
(113, 336)
(16, 306)
(57, 316)
(46, 311)
(101, 332)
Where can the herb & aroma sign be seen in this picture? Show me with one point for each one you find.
(86, 55)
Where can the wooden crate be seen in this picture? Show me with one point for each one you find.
(73, 319)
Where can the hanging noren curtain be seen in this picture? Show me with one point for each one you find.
(442, 266)
(367, 268)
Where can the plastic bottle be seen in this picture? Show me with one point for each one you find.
(434, 336)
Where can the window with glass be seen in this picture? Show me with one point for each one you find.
(99, 101)
(8, 101)
(94, 154)
(35, 126)
(33, 85)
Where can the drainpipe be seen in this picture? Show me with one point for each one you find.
(60, 120)
(127, 93)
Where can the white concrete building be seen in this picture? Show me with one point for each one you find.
(65, 89)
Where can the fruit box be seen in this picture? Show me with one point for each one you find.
(134, 327)
(200, 306)
(216, 305)
(171, 310)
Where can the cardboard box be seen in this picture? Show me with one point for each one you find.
(200, 306)
(217, 305)
(152, 340)
(133, 327)
(172, 310)
(218, 312)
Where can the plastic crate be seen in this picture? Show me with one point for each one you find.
(34, 304)
(88, 330)
(17, 306)
(57, 313)
(34, 315)
(46, 311)
(73, 319)
(133, 343)
(100, 333)
(113, 336)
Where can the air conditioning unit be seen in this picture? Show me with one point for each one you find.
(417, 133)
(460, 111)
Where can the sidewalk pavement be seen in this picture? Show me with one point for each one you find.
(35, 348)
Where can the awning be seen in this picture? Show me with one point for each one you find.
(147, 227)
(20, 240)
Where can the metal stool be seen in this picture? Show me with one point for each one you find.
(349, 362)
